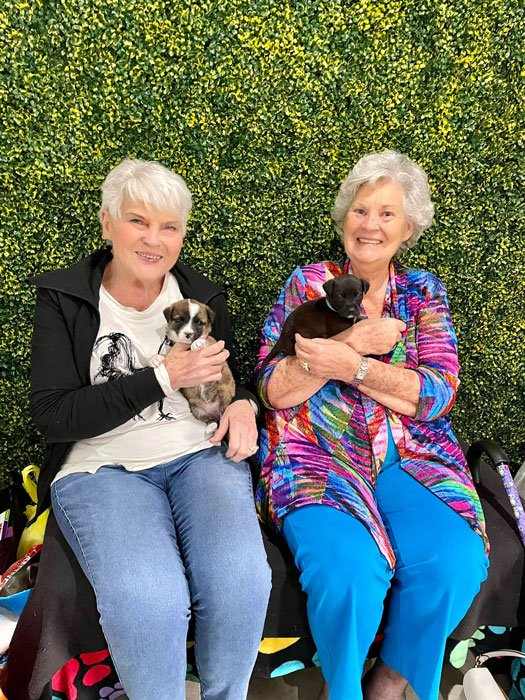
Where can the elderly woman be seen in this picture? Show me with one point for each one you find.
(360, 467)
(161, 520)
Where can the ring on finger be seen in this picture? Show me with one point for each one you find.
(304, 365)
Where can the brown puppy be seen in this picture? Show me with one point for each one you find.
(190, 322)
(324, 317)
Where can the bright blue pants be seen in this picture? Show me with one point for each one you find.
(440, 566)
(158, 543)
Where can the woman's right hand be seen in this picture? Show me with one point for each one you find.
(192, 367)
(373, 336)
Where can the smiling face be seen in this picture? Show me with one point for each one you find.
(146, 244)
(376, 225)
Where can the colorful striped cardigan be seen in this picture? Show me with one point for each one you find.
(330, 448)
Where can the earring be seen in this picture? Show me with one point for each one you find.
(109, 244)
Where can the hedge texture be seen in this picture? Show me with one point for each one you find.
(263, 107)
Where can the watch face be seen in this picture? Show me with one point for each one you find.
(361, 372)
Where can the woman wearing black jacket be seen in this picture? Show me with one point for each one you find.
(160, 519)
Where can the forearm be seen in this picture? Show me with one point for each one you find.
(68, 415)
(242, 393)
(392, 386)
(291, 385)
(64, 405)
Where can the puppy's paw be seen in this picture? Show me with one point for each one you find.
(156, 361)
(200, 342)
(210, 430)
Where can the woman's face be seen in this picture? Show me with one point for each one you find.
(375, 224)
(146, 243)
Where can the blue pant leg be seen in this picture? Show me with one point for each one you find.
(120, 526)
(440, 566)
(346, 579)
(228, 575)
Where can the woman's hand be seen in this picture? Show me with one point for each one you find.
(391, 385)
(373, 336)
(327, 358)
(239, 421)
(192, 367)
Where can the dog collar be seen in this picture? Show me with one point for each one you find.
(329, 305)
(168, 341)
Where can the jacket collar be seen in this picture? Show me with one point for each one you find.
(83, 280)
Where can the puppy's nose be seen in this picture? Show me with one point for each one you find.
(188, 334)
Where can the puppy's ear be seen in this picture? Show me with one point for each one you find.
(328, 286)
(211, 315)
(167, 313)
(365, 285)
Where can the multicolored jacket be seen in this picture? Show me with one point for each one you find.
(330, 449)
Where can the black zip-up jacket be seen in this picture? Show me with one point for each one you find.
(65, 406)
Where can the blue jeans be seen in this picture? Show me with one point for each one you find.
(159, 544)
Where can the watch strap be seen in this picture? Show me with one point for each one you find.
(361, 372)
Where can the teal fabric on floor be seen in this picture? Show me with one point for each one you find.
(15, 602)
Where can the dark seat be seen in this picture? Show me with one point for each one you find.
(60, 620)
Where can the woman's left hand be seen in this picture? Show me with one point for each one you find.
(327, 358)
(238, 420)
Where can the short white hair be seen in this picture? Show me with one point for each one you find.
(145, 181)
(390, 165)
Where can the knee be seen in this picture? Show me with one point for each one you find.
(253, 583)
(158, 599)
(457, 567)
(253, 596)
(343, 577)
(243, 582)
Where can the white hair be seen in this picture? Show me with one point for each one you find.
(390, 165)
(145, 181)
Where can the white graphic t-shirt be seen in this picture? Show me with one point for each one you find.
(126, 341)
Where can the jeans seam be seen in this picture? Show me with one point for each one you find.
(203, 691)
(66, 516)
(87, 565)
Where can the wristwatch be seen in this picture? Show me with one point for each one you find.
(361, 372)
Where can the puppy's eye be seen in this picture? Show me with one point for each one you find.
(178, 319)
(199, 322)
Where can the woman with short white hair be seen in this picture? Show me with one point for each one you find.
(360, 469)
(161, 519)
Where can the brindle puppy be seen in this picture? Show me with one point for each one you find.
(190, 322)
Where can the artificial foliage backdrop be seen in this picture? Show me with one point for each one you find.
(263, 107)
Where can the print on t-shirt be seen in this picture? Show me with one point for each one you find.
(117, 359)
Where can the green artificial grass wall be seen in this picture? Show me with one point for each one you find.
(263, 107)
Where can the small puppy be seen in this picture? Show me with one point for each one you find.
(323, 317)
(189, 321)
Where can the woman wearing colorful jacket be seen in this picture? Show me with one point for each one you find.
(360, 468)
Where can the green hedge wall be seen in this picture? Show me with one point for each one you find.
(263, 107)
